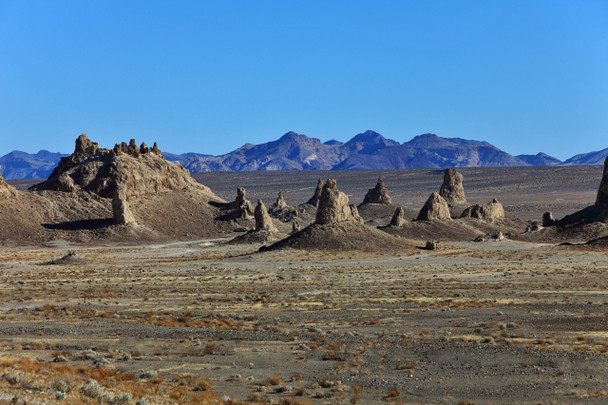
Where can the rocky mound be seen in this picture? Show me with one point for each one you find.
(452, 189)
(70, 259)
(280, 203)
(435, 208)
(378, 194)
(6, 190)
(491, 212)
(338, 227)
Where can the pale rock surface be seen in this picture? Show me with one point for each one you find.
(435, 208)
(398, 218)
(333, 206)
(491, 212)
(263, 222)
(452, 189)
(6, 190)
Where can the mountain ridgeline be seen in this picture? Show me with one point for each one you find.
(368, 150)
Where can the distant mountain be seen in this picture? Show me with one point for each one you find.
(20, 165)
(540, 159)
(292, 151)
(591, 158)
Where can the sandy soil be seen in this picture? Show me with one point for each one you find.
(491, 322)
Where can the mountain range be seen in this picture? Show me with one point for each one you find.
(292, 151)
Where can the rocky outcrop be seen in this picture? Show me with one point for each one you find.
(451, 189)
(120, 208)
(602, 192)
(398, 218)
(548, 219)
(6, 190)
(378, 194)
(263, 222)
(355, 213)
(314, 200)
(242, 206)
(435, 208)
(279, 203)
(491, 212)
(333, 206)
(140, 170)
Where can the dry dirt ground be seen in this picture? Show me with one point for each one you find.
(202, 321)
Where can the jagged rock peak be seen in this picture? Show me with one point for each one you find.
(452, 189)
(491, 212)
(141, 170)
(378, 194)
(602, 192)
(398, 218)
(263, 222)
(279, 203)
(436, 207)
(6, 190)
(314, 200)
(333, 205)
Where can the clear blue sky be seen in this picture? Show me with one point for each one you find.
(208, 76)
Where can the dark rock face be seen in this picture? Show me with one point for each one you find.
(548, 219)
(333, 206)
(602, 192)
(452, 189)
(398, 218)
(378, 194)
(435, 208)
(491, 212)
(314, 200)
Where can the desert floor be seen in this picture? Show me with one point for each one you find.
(194, 321)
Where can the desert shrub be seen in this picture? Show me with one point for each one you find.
(92, 389)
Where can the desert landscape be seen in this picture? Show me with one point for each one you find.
(125, 280)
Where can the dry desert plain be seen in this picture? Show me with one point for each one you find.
(489, 322)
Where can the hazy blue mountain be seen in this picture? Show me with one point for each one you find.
(292, 151)
(591, 158)
(540, 159)
(22, 165)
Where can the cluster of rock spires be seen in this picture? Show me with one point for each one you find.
(378, 194)
(123, 173)
(333, 206)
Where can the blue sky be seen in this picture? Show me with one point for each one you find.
(208, 76)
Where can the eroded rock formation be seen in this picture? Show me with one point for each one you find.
(398, 218)
(333, 205)
(548, 219)
(242, 206)
(120, 208)
(314, 200)
(140, 170)
(451, 189)
(602, 192)
(435, 207)
(279, 203)
(491, 212)
(263, 222)
(378, 194)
